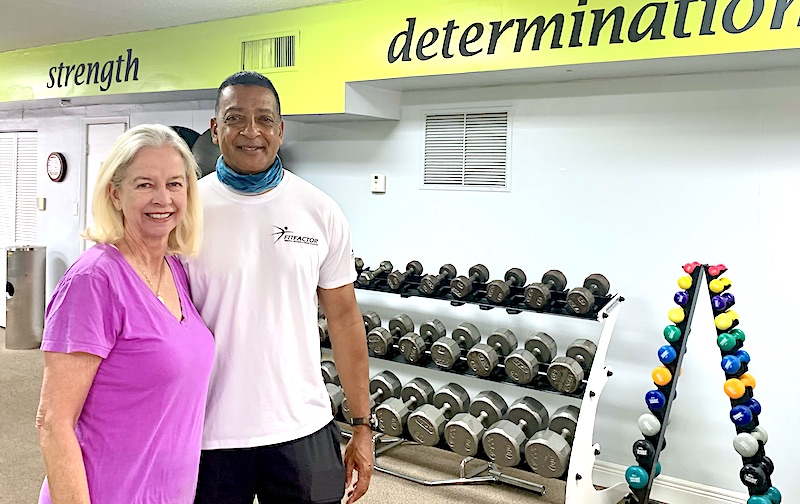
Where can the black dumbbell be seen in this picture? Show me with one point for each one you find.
(504, 441)
(368, 276)
(430, 283)
(483, 358)
(396, 279)
(539, 295)
(329, 373)
(461, 286)
(547, 452)
(413, 345)
(755, 478)
(359, 264)
(522, 365)
(464, 432)
(336, 395)
(446, 352)
(371, 320)
(581, 299)
(565, 374)
(498, 290)
(381, 341)
(426, 423)
(645, 452)
(393, 412)
(382, 386)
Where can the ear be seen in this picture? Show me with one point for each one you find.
(214, 134)
(280, 135)
(113, 195)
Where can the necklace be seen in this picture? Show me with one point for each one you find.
(149, 283)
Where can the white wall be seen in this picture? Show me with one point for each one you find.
(631, 178)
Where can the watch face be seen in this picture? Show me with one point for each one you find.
(56, 166)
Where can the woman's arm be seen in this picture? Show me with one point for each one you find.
(67, 379)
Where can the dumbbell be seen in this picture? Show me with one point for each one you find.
(498, 290)
(329, 373)
(483, 358)
(446, 352)
(547, 452)
(430, 283)
(396, 279)
(522, 365)
(581, 299)
(367, 277)
(371, 320)
(336, 395)
(645, 452)
(322, 327)
(426, 423)
(382, 386)
(461, 286)
(504, 441)
(380, 340)
(413, 345)
(539, 295)
(359, 264)
(565, 374)
(393, 412)
(464, 432)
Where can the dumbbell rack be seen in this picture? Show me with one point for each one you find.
(642, 495)
(579, 486)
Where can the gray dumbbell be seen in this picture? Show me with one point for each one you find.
(393, 412)
(504, 441)
(413, 345)
(382, 386)
(539, 295)
(336, 395)
(397, 278)
(322, 327)
(446, 352)
(369, 276)
(498, 290)
(461, 286)
(426, 423)
(359, 264)
(371, 320)
(565, 374)
(464, 432)
(581, 299)
(381, 341)
(430, 283)
(522, 364)
(547, 452)
(329, 372)
(483, 358)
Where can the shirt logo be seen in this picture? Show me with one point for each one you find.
(284, 234)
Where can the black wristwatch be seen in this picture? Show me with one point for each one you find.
(369, 421)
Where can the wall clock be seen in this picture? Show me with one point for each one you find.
(56, 166)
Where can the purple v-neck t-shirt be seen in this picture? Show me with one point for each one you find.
(141, 424)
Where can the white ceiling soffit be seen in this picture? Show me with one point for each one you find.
(33, 23)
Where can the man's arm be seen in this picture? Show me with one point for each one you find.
(349, 343)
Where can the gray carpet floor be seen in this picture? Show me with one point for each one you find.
(22, 470)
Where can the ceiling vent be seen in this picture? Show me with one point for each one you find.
(270, 54)
(466, 151)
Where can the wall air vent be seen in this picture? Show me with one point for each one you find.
(269, 53)
(466, 151)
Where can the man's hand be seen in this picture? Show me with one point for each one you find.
(358, 456)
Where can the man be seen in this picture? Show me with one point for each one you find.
(273, 246)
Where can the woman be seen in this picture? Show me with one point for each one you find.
(127, 357)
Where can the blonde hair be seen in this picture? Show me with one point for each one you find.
(108, 225)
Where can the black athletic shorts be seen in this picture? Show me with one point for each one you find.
(308, 469)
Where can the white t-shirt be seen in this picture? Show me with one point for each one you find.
(255, 285)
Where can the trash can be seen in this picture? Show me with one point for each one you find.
(25, 284)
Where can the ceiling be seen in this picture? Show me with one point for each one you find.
(33, 23)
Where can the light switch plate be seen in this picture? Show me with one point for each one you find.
(377, 183)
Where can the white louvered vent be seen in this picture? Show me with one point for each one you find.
(466, 151)
(27, 188)
(269, 53)
(7, 188)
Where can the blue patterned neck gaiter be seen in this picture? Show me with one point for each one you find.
(256, 183)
